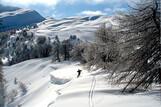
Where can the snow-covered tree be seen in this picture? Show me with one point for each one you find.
(107, 42)
(43, 46)
(90, 53)
(66, 49)
(77, 52)
(23, 45)
(56, 49)
(141, 29)
(67, 46)
(104, 52)
(3, 41)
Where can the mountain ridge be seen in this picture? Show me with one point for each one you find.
(16, 18)
(84, 27)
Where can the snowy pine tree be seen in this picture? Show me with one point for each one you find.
(56, 49)
(66, 49)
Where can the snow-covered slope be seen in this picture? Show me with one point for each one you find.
(82, 26)
(13, 18)
(35, 74)
(47, 87)
(94, 91)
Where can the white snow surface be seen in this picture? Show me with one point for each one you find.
(83, 27)
(56, 85)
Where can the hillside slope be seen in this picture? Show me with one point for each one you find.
(83, 27)
(14, 18)
(56, 85)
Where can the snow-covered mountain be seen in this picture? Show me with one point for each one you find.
(13, 17)
(4, 8)
(83, 27)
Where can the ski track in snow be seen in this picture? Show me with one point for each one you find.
(90, 95)
(91, 92)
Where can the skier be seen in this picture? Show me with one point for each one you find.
(79, 72)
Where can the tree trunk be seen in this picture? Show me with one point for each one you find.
(2, 98)
(160, 76)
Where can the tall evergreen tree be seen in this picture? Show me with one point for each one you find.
(56, 49)
(66, 45)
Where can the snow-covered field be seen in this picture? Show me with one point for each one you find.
(83, 27)
(35, 74)
(56, 85)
